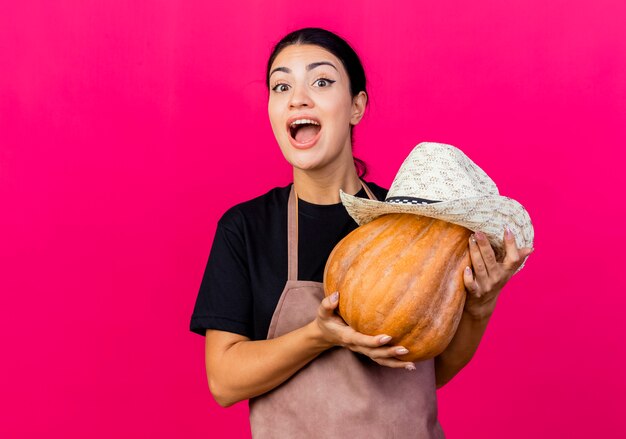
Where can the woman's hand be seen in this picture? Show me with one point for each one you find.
(490, 275)
(336, 332)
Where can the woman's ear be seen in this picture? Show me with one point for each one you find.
(358, 107)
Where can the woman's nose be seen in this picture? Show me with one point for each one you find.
(300, 97)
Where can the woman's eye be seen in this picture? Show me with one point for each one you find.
(325, 81)
(277, 87)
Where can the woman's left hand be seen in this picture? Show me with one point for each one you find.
(491, 276)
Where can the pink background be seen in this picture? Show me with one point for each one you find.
(127, 128)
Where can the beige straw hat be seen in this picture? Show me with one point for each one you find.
(439, 181)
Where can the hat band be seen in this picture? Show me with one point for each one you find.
(410, 200)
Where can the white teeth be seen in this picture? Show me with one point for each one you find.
(303, 121)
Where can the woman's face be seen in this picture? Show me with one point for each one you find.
(308, 82)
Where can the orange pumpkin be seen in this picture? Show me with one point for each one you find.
(402, 275)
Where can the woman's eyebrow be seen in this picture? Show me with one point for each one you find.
(309, 67)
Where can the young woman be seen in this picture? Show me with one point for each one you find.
(271, 336)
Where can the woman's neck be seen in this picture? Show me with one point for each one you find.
(322, 186)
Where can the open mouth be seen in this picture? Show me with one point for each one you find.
(304, 131)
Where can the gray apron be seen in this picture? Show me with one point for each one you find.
(340, 393)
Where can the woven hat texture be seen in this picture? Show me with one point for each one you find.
(438, 180)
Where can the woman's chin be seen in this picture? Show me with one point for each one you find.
(306, 165)
(311, 159)
(303, 158)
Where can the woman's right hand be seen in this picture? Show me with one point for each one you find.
(336, 332)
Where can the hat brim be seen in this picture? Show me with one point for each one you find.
(488, 214)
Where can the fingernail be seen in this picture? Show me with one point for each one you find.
(385, 338)
(507, 232)
(334, 297)
(410, 366)
(472, 239)
(479, 235)
(468, 270)
(402, 351)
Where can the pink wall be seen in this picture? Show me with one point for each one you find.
(127, 128)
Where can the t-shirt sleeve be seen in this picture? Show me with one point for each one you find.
(224, 300)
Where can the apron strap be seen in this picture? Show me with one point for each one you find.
(292, 235)
(369, 192)
(292, 230)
